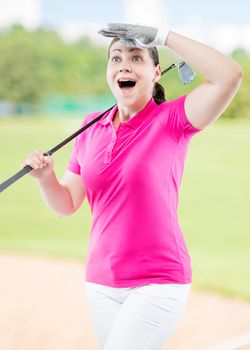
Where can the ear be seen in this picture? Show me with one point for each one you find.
(157, 73)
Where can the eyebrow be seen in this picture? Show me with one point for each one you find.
(130, 50)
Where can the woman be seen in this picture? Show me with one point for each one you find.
(129, 165)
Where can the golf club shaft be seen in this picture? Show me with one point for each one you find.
(171, 67)
(15, 177)
(27, 168)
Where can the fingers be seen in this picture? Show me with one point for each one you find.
(111, 33)
(131, 35)
(42, 165)
(129, 42)
(119, 27)
(37, 160)
(108, 33)
(115, 30)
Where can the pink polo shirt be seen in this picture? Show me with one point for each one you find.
(132, 177)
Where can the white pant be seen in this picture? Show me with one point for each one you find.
(137, 318)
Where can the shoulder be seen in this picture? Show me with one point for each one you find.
(85, 120)
(174, 103)
(89, 117)
(171, 108)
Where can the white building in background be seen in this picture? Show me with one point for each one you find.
(25, 12)
(148, 12)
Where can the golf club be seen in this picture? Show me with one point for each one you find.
(186, 75)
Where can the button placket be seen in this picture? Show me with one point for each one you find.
(113, 139)
(111, 146)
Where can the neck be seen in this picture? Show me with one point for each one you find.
(125, 113)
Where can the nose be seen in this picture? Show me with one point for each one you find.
(125, 68)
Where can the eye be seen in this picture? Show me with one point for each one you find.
(115, 59)
(137, 58)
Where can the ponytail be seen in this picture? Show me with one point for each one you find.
(158, 94)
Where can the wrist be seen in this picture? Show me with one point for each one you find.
(162, 37)
(47, 179)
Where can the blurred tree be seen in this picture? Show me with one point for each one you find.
(34, 65)
(240, 107)
(21, 78)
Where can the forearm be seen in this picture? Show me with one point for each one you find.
(56, 196)
(216, 67)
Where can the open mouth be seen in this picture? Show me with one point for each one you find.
(126, 83)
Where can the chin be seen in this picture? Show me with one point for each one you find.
(127, 101)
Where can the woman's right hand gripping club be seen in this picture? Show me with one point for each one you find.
(63, 197)
(42, 165)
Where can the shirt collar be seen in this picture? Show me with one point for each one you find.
(135, 121)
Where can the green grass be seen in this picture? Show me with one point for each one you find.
(26, 224)
(213, 208)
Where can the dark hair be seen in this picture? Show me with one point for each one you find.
(158, 91)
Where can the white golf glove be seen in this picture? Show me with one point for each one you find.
(135, 35)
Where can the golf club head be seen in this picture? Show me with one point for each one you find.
(186, 73)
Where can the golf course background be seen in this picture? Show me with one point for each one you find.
(213, 208)
(48, 87)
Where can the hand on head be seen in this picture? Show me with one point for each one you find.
(134, 35)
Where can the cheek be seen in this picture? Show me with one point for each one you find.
(149, 80)
(111, 82)
(110, 74)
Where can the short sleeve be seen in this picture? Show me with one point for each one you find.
(80, 144)
(177, 121)
(73, 164)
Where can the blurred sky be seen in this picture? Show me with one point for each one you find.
(223, 24)
(212, 11)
